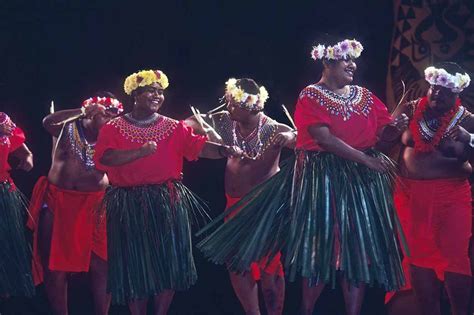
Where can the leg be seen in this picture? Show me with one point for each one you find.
(309, 296)
(246, 290)
(138, 307)
(98, 279)
(353, 297)
(273, 287)
(402, 303)
(162, 302)
(427, 290)
(458, 287)
(55, 282)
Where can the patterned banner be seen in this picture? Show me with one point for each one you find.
(426, 32)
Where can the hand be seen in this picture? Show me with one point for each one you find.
(460, 134)
(231, 151)
(93, 110)
(148, 149)
(26, 163)
(6, 129)
(377, 164)
(400, 122)
(283, 139)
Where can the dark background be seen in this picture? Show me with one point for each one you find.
(66, 50)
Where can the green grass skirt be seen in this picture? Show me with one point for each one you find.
(149, 239)
(15, 252)
(326, 214)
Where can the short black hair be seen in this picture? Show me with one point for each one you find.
(104, 94)
(248, 85)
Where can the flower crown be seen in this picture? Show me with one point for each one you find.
(456, 83)
(5, 120)
(106, 102)
(348, 48)
(144, 78)
(244, 99)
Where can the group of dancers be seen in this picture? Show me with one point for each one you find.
(339, 210)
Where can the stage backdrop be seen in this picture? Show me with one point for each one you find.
(426, 32)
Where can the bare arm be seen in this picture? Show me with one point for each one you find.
(286, 137)
(115, 157)
(25, 157)
(51, 122)
(216, 151)
(330, 143)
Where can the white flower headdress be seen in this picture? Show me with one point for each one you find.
(348, 48)
(456, 83)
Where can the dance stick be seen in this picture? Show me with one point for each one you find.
(287, 113)
(51, 108)
(204, 125)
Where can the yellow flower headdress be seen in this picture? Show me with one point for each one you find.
(244, 99)
(144, 78)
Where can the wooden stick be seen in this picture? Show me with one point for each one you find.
(216, 109)
(287, 113)
(405, 92)
(204, 125)
(51, 108)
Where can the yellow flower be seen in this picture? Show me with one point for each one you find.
(330, 53)
(144, 78)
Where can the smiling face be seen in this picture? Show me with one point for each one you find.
(341, 71)
(148, 99)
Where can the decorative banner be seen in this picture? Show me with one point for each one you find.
(427, 32)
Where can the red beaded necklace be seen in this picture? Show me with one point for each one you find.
(420, 143)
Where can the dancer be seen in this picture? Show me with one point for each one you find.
(15, 252)
(433, 195)
(149, 210)
(68, 234)
(261, 139)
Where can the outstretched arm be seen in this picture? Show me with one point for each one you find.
(286, 137)
(53, 122)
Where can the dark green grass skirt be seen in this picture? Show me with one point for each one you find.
(343, 219)
(15, 252)
(149, 239)
(260, 227)
(326, 214)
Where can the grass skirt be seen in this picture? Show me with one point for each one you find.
(15, 252)
(260, 227)
(343, 219)
(149, 239)
(325, 213)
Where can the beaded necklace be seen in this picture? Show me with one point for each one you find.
(79, 144)
(358, 101)
(155, 128)
(253, 145)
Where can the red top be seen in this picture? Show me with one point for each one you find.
(355, 119)
(174, 139)
(8, 145)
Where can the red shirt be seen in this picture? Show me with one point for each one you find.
(174, 139)
(8, 145)
(355, 119)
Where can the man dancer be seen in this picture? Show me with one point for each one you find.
(261, 139)
(68, 234)
(433, 195)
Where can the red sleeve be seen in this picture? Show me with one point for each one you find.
(309, 111)
(107, 139)
(191, 143)
(17, 139)
(383, 116)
